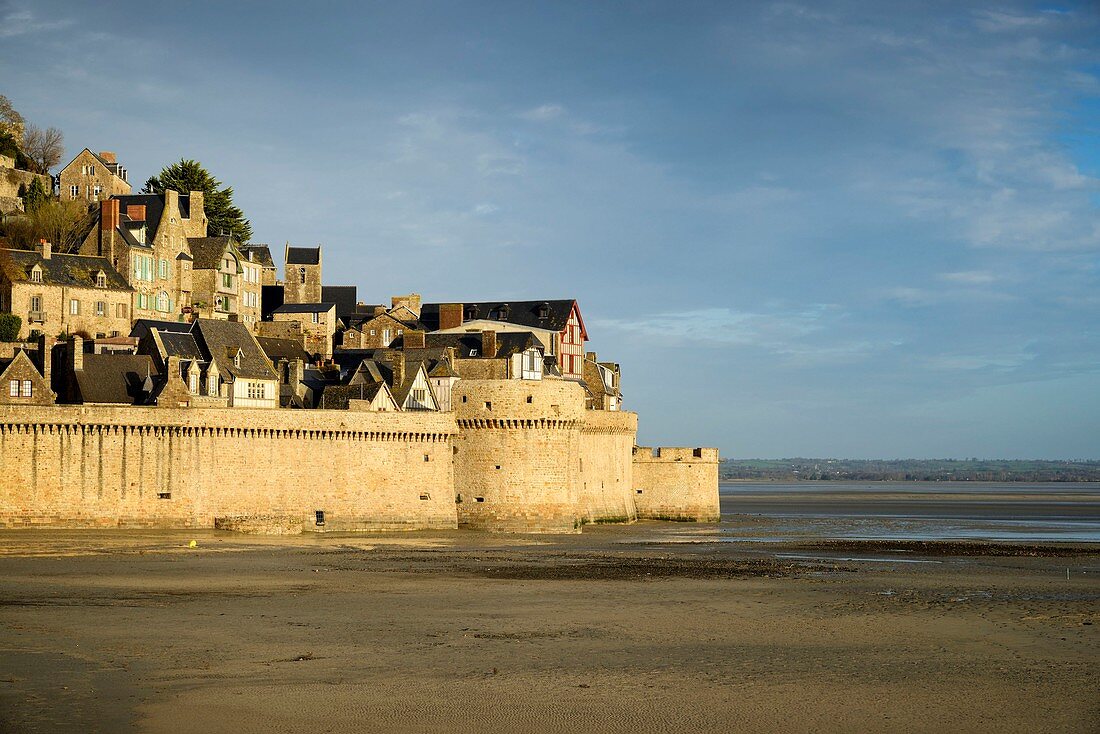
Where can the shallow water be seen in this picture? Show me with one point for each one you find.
(1019, 512)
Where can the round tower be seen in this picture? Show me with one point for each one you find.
(515, 454)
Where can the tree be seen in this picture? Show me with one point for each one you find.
(64, 224)
(223, 217)
(44, 147)
(11, 122)
(9, 327)
(35, 196)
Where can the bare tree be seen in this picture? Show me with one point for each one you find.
(43, 147)
(11, 122)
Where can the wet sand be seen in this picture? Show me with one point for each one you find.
(649, 627)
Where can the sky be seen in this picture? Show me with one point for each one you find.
(865, 230)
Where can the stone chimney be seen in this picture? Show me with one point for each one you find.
(45, 355)
(45, 248)
(450, 315)
(396, 362)
(414, 340)
(76, 352)
(411, 302)
(296, 373)
(590, 356)
(198, 211)
(136, 212)
(108, 156)
(489, 343)
(108, 215)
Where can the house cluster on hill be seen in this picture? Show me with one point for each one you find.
(153, 309)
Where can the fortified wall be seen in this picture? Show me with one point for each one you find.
(515, 455)
(676, 483)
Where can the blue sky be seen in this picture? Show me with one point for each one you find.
(828, 228)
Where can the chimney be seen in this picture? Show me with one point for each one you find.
(450, 315)
(590, 356)
(198, 209)
(136, 212)
(396, 362)
(45, 355)
(296, 373)
(108, 215)
(76, 349)
(47, 249)
(108, 156)
(411, 302)
(489, 343)
(452, 354)
(414, 340)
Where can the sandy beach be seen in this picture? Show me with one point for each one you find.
(648, 627)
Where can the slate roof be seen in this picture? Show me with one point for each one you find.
(221, 339)
(128, 379)
(287, 349)
(141, 327)
(465, 343)
(521, 313)
(154, 208)
(183, 346)
(68, 270)
(261, 254)
(304, 308)
(209, 252)
(344, 297)
(303, 255)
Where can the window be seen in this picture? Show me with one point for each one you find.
(100, 280)
(386, 337)
(193, 383)
(36, 275)
(120, 310)
(473, 352)
(372, 332)
(420, 395)
(97, 190)
(301, 275)
(227, 280)
(316, 317)
(27, 388)
(74, 307)
(212, 385)
(256, 390)
(100, 308)
(164, 304)
(13, 389)
(74, 191)
(237, 364)
(163, 269)
(36, 303)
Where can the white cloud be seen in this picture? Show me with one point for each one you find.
(969, 277)
(542, 113)
(23, 22)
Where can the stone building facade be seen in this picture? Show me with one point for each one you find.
(93, 177)
(12, 180)
(64, 294)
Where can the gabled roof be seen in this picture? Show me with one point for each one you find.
(261, 255)
(303, 255)
(219, 339)
(127, 379)
(111, 167)
(208, 252)
(287, 349)
(67, 270)
(549, 315)
(304, 308)
(183, 346)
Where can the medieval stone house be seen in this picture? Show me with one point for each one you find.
(93, 177)
(58, 294)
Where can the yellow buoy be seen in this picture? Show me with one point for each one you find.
(193, 544)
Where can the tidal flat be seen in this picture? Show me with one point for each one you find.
(645, 627)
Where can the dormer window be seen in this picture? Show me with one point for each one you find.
(500, 313)
(237, 359)
(100, 279)
(301, 275)
(36, 274)
(544, 311)
(471, 313)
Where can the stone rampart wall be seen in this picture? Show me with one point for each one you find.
(604, 484)
(676, 483)
(253, 469)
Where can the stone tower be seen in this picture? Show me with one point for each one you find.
(302, 275)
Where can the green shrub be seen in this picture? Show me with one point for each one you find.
(9, 327)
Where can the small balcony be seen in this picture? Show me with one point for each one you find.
(36, 317)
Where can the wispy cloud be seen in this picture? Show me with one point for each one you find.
(543, 113)
(23, 22)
